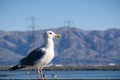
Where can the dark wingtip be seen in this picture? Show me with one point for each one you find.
(15, 68)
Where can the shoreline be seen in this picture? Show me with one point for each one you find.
(72, 68)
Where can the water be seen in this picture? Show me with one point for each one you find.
(63, 74)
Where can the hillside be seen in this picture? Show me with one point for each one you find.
(76, 47)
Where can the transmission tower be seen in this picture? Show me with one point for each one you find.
(33, 26)
(68, 23)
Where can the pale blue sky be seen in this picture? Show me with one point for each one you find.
(86, 14)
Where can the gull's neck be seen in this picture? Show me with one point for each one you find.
(49, 44)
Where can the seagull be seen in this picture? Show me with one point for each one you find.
(41, 56)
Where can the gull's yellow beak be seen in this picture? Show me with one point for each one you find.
(58, 36)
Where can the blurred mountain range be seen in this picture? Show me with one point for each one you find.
(76, 47)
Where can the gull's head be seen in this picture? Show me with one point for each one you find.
(51, 34)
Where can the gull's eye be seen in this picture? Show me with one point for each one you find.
(50, 33)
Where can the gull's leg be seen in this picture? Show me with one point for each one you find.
(40, 74)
